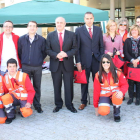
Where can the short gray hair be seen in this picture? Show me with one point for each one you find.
(121, 20)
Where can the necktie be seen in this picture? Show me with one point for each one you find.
(90, 33)
(61, 43)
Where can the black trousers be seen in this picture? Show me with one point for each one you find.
(36, 74)
(131, 89)
(94, 68)
(67, 77)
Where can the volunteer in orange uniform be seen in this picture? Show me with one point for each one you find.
(2, 113)
(21, 91)
(109, 84)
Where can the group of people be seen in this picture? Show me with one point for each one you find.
(21, 59)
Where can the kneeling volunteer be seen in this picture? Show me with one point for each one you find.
(20, 91)
(110, 85)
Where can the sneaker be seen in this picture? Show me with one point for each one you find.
(137, 102)
(130, 101)
(117, 118)
(9, 120)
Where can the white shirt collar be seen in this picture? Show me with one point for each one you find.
(89, 27)
(61, 32)
(4, 36)
(11, 76)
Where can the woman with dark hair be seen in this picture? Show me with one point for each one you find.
(110, 85)
(132, 54)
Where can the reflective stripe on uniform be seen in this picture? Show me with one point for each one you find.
(9, 110)
(0, 102)
(104, 92)
(6, 106)
(117, 106)
(1, 94)
(108, 88)
(104, 104)
(0, 79)
(22, 94)
(20, 76)
(6, 77)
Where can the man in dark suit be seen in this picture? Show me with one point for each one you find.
(90, 50)
(61, 47)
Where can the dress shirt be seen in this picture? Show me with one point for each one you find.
(88, 29)
(63, 32)
(31, 39)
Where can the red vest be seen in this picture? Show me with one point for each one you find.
(107, 89)
(18, 90)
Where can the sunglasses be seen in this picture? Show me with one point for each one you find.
(123, 25)
(106, 62)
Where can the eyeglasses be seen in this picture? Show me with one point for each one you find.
(8, 27)
(123, 25)
(106, 62)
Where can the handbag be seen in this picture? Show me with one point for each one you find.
(80, 77)
(125, 68)
(117, 59)
(133, 73)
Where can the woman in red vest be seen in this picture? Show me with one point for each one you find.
(110, 85)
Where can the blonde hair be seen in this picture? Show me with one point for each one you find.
(108, 27)
(134, 27)
(121, 20)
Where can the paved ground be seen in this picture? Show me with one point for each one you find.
(65, 125)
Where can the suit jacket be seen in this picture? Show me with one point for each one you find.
(127, 50)
(69, 47)
(87, 46)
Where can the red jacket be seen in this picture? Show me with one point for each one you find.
(123, 85)
(29, 88)
(15, 40)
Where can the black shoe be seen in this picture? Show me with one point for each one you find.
(137, 102)
(56, 109)
(72, 109)
(130, 101)
(20, 114)
(9, 120)
(117, 119)
(39, 109)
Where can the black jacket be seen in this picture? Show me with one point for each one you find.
(87, 46)
(69, 46)
(127, 50)
(32, 54)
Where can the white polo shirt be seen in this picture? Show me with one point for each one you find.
(8, 52)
